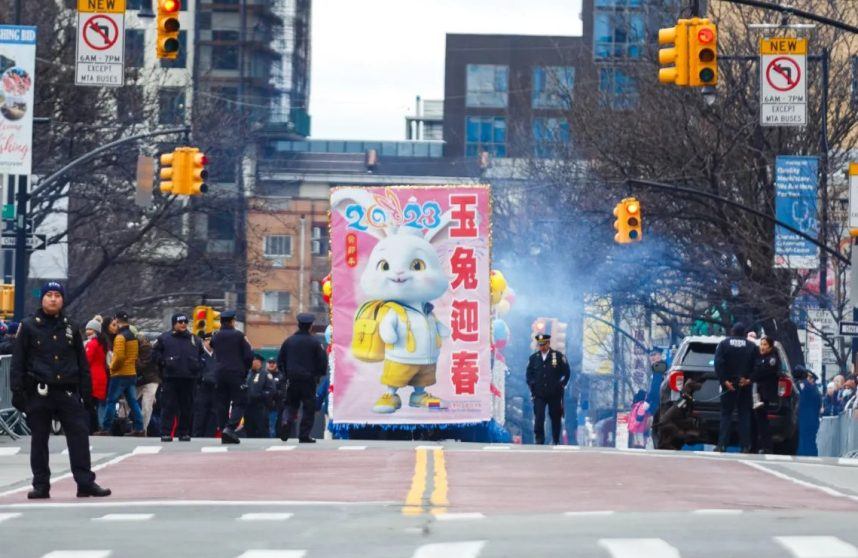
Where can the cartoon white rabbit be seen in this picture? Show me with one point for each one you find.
(404, 269)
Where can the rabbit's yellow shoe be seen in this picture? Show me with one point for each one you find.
(387, 403)
(426, 400)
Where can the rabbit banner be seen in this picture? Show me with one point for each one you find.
(411, 305)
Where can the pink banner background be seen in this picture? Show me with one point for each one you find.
(356, 384)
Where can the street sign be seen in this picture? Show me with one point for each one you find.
(29, 226)
(100, 43)
(783, 81)
(34, 241)
(849, 329)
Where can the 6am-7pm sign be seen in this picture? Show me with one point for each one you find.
(783, 81)
(100, 43)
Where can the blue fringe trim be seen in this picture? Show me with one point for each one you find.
(487, 431)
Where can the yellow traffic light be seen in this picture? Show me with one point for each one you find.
(675, 58)
(167, 45)
(166, 173)
(197, 173)
(212, 320)
(629, 223)
(200, 319)
(7, 299)
(702, 53)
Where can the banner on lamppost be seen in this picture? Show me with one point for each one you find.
(411, 305)
(17, 76)
(796, 191)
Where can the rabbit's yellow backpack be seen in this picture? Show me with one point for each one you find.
(367, 344)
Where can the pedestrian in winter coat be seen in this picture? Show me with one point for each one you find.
(766, 374)
(148, 378)
(734, 362)
(809, 403)
(179, 355)
(260, 395)
(205, 397)
(123, 377)
(303, 361)
(50, 379)
(547, 376)
(234, 357)
(96, 357)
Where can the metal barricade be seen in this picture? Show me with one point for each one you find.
(12, 422)
(838, 435)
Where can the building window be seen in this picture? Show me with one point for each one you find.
(171, 105)
(552, 87)
(485, 133)
(550, 137)
(321, 240)
(225, 57)
(618, 88)
(487, 85)
(276, 301)
(278, 246)
(129, 104)
(135, 48)
(619, 31)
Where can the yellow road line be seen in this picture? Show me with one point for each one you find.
(414, 500)
(439, 493)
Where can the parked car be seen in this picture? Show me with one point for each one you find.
(695, 360)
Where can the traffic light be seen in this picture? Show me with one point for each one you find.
(629, 223)
(197, 173)
(212, 320)
(675, 58)
(7, 300)
(168, 29)
(702, 53)
(200, 319)
(167, 173)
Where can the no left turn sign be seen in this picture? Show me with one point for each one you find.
(100, 32)
(783, 81)
(783, 73)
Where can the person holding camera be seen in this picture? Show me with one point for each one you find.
(50, 377)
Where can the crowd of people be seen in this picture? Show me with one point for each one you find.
(839, 391)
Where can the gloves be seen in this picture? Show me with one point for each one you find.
(20, 400)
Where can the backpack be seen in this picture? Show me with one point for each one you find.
(367, 344)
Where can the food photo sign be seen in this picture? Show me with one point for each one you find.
(17, 76)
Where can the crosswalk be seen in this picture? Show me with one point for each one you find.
(795, 546)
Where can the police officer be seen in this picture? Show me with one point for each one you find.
(205, 407)
(302, 361)
(547, 376)
(234, 357)
(277, 405)
(50, 376)
(734, 363)
(179, 355)
(260, 396)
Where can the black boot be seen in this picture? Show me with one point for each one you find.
(185, 438)
(92, 490)
(306, 440)
(166, 438)
(39, 493)
(228, 436)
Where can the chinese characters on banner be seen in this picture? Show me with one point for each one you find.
(411, 315)
(17, 77)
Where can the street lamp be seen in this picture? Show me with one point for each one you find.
(710, 95)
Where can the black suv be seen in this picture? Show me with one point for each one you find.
(695, 360)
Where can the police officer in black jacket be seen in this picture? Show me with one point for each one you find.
(547, 376)
(179, 355)
(234, 357)
(205, 405)
(734, 362)
(302, 361)
(767, 370)
(50, 376)
(260, 397)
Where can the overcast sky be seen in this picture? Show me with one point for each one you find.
(371, 58)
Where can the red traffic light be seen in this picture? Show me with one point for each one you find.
(171, 5)
(201, 315)
(706, 35)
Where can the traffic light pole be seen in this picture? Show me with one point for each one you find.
(698, 193)
(23, 198)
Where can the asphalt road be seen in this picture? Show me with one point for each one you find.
(266, 499)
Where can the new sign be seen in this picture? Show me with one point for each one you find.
(100, 43)
(783, 81)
